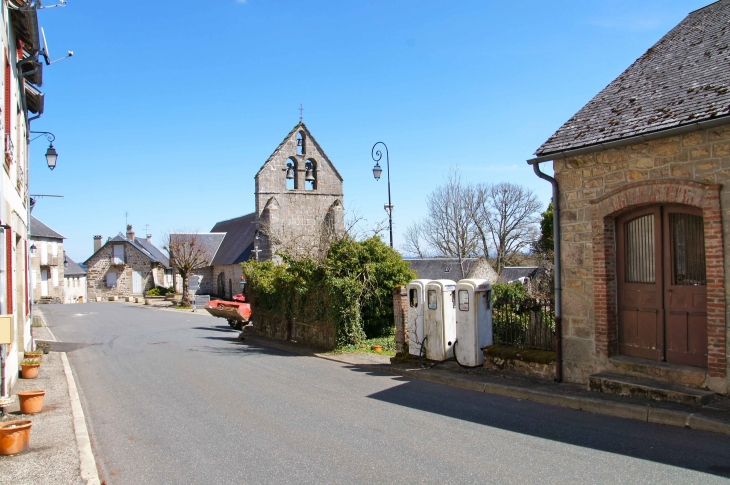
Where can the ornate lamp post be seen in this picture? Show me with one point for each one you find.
(377, 156)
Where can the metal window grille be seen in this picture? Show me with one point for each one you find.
(688, 249)
(640, 250)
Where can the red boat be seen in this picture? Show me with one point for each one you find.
(237, 312)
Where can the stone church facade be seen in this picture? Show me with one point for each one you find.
(299, 198)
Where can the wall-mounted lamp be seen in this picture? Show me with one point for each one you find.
(51, 154)
(33, 249)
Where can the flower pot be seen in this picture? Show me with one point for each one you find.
(34, 355)
(15, 436)
(29, 371)
(31, 402)
(377, 348)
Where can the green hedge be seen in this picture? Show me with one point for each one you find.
(350, 289)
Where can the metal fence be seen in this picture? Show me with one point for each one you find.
(524, 322)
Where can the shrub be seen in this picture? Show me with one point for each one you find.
(351, 288)
(153, 292)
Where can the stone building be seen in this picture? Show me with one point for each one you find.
(46, 263)
(644, 216)
(299, 198)
(125, 266)
(299, 210)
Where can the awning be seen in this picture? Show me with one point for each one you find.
(35, 100)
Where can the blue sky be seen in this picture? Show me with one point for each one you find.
(168, 109)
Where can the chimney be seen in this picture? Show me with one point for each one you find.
(149, 238)
(130, 232)
(97, 243)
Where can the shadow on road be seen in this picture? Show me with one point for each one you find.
(218, 328)
(685, 448)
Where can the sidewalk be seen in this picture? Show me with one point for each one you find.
(58, 431)
(714, 417)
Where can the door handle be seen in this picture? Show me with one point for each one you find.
(669, 290)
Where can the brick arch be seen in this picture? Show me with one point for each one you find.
(636, 195)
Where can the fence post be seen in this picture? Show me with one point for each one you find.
(400, 313)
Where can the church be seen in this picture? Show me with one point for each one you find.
(299, 211)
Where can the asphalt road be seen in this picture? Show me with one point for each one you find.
(173, 397)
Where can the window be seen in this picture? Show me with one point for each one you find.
(54, 249)
(413, 297)
(488, 296)
(432, 305)
(687, 238)
(111, 279)
(463, 300)
(118, 254)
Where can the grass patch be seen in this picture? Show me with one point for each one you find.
(388, 344)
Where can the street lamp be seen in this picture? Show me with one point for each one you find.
(377, 156)
(51, 154)
(33, 249)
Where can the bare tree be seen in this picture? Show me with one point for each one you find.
(450, 227)
(414, 240)
(505, 217)
(187, 254)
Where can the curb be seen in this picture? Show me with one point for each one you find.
(591, 405)
(89, 472)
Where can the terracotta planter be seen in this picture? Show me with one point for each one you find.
(29, 355)
(31, 402)
(377, 348)
(15, 436)
(29, 371)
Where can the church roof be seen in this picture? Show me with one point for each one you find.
(237, 245)
(681, 80)
(301, 126)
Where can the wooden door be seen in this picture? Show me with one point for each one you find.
(685, 290)
(662, 297)
(639, 266)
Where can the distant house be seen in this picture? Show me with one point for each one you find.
(519, 274)
(74, 282)
(640, 177)
(46, 263)
(450, 269)
(125, 266)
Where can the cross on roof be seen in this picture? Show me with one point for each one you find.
(301, 111)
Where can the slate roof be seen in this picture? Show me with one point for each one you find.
(156, 256)
(209, 240)
(684, 78)
(512, 273)
(38, 229)
(70, 268)
(152, 249)
(441, 268)
(237, 245)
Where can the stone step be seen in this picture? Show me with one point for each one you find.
(660, 371)
(648, 388)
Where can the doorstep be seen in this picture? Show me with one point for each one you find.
(648, 388)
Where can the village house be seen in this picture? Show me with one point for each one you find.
(644, 242)
(125, 266)
(299, 211)
(46, 263)
(21, 98)
(74, 282)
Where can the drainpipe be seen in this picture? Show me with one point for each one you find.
(558, 285)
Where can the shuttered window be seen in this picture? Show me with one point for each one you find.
(640, 250)
(111, 279)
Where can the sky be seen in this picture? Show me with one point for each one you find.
(168, 109)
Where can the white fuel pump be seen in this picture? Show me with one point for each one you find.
(439, 320)
(473, 321)
(416, 305)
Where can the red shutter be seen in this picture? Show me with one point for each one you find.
(9, 268)
(7, 94)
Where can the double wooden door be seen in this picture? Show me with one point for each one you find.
(662, 292)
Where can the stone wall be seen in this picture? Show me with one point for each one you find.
(595, 188)
(400, 316)
(231, 278)
(311, 334)
(100, 264)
